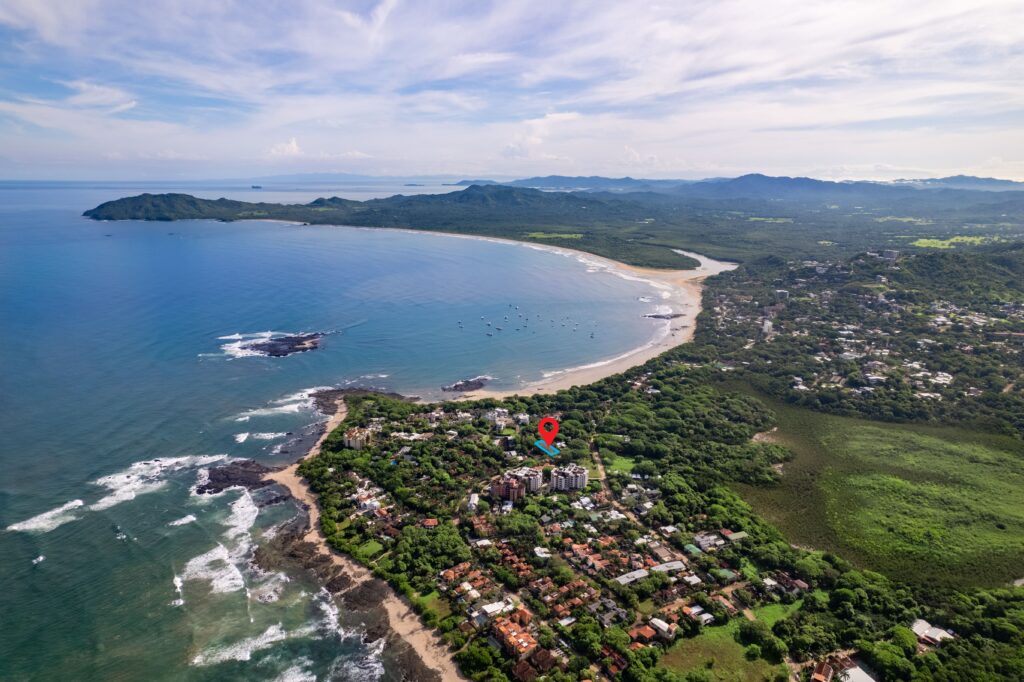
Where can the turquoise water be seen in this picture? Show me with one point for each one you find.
(121, 385)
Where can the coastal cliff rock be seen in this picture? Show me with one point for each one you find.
(283, 346)
(474, 384)
(245, 473)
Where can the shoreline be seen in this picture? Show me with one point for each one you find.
(685, 289)
(402, 620)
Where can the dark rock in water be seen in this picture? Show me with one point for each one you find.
(663, 316)
(369, 594)
(245, 473)
(287, 345)
(474, 384)
(375, 632)
(339, 583)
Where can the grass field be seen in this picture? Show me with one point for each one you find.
(619, 463)
(369, 549)
(717, 651)
(924, 504)
(435, 603)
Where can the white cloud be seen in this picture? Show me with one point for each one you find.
(607, 87)
(289, 149)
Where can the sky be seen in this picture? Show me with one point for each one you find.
(197, 89)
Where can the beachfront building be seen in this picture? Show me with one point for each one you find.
(568, 478)
(531, 478)
(508, 488)
(357, 438)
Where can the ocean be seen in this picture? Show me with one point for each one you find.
(126, 376)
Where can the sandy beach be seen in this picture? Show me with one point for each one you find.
(402, 620)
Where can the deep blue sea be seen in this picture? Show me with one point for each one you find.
(122, 382)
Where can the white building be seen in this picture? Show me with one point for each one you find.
(571, 477)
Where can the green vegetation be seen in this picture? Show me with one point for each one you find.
(951, 242)
(717, 650)
(741, 219)
(925, 504)
(554, 235)
(619, 465)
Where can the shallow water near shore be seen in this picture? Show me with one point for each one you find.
(126, 378)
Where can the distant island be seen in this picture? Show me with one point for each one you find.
(735, 219)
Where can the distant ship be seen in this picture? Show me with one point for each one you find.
(257, 186)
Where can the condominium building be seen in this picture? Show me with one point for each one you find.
(570, 477)
(531, 478)
(508, 488)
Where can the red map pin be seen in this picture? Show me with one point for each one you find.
(548, 429)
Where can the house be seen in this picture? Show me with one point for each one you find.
(429, 523)
(822, 673)
(632, 576)
(357, 438)
(474, 502)
(543, 660)
(669, 567)
(928, 634)
(644, 633)
(666, 631)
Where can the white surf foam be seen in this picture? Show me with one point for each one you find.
(300, 401)
(243, 515)
(179, 583)
(183, 520)
(242, 650)
(144, 477)
(297, 673)
(240, 345)
(47, 521)
(216, 568)
(366, 668)
(268, 435)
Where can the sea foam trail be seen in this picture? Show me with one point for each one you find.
(183, 520)
(47, 521)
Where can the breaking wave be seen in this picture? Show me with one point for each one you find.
(47, 521)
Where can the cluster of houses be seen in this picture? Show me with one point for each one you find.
(859, 358)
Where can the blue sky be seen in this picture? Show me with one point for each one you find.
(103, 89)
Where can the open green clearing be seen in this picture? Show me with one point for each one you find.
(618, 464)
(554, 235)
(952, 241)
(369, 549)
(717, 651)
(919, 503)
(433, 602)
